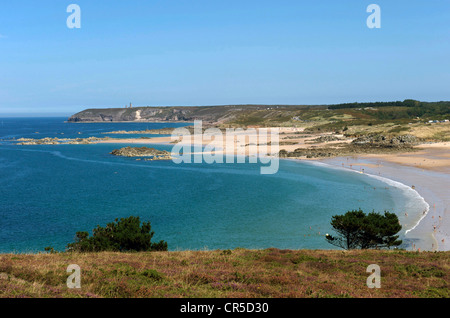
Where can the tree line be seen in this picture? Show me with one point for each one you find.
(415, 108)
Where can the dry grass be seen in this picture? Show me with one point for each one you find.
(227, 274)
(440, 132)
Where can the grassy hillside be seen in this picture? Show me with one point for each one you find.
(229, 273)
(353, 119)
(209, 114)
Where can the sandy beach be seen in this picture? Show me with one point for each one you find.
(144, 141)
(432, 183)
(427, 171)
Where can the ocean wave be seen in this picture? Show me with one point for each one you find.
(409, 192)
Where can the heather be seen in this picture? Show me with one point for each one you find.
(242, 273)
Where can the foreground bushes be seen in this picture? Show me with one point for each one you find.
(122, 235)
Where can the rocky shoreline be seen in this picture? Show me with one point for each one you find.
(338, 147)
(150, 154)
(370, 144)
(58, 141)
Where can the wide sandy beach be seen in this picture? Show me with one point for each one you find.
(431, 181)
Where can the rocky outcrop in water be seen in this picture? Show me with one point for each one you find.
(151, 153)
(57, 141)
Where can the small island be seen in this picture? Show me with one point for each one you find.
(58, 141)
(151, 153)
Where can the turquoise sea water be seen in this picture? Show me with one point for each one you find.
(49, 192)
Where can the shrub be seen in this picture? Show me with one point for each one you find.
(122, 235)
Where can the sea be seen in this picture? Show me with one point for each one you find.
(50, 192)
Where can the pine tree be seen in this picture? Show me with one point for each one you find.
(355, 229)
(122, 235)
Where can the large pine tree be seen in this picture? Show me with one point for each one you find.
(355, 230)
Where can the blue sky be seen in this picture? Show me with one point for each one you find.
(210, 52)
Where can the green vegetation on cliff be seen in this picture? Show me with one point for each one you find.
(273, 115)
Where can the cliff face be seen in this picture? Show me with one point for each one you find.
(134, 114)
(208, 114)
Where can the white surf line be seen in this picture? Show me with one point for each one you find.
(385, 180)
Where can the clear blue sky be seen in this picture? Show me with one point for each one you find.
(211, 52)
